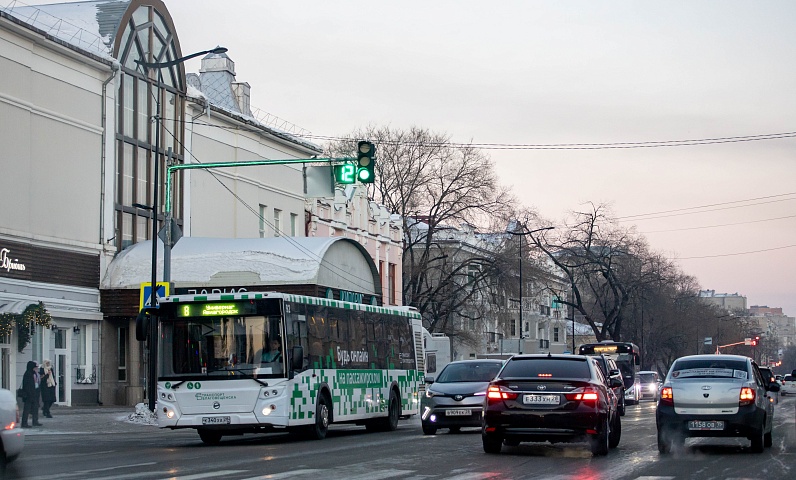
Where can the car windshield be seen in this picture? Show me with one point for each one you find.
(546, 368)
(710, 368)
(647, 377)
(469, 372)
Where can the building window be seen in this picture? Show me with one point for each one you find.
(293, 224)
(555, 334)
(36, 341)
(513, 327)
(142, 143)
(121, 345)
(262, 221)
(391, 284)
(277, 222)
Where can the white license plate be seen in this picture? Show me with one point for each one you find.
(215, 420)
(540, 399)
(457, 413)
(706, 425)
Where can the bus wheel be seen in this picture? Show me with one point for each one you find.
(209, 437)
(390, 422)
(322, 419)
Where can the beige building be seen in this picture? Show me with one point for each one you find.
(732, 302)
(88, 134)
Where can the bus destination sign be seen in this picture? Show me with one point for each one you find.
(216, 309)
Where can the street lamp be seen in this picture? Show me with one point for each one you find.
(522, 234)
(153, 303)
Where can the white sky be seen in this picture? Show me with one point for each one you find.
(547, 71)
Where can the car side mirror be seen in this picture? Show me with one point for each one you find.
(430, 379)
(614, 382)
(614, 372)
(773, 387)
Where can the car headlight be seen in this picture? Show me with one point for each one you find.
(430, 393)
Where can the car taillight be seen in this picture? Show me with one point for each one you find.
(667, 396)
(747, 396)
(495, 393)
(583, 395)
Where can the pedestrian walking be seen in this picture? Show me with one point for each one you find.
(30, 394)
(47, 388)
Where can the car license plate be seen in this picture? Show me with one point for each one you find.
(215, 420)
(706, 425)
(457, 413)
(540, 399)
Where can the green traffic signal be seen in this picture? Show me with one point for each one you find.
(366, 162)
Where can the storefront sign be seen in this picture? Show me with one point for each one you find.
(7, 263)
(23, 261)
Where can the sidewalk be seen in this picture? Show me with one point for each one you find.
(90, 419)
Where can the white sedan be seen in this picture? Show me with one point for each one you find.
(788, 385)
(12, 437)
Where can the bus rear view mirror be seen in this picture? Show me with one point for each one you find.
(297, 357)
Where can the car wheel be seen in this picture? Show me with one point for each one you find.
(664, 442)
(758, 441)
(616, 432)
(768, 440)
(492, 443)
(209, 437)
(429, 429)
(599, 442)
(319, 430)
(622, 407)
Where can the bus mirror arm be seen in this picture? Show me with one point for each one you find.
(264, 384)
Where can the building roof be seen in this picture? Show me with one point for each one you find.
(214, 262)
(90, 25)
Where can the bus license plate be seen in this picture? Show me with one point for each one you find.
(215, 420)
(540, 399)
(706, 425)
(457, 413)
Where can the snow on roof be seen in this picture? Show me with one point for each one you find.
(89, 25)
(198, 260)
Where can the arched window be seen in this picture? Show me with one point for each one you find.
(149, 123)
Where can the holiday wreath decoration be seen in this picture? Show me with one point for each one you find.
(34, 314)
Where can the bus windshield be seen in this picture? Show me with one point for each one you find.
(221, 346)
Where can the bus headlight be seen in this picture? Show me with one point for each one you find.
(167, 396)
(267, 410)
(169, 412)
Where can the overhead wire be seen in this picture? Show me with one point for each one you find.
(720, 225)
(624, 218)
(550, 146)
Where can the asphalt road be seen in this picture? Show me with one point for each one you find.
(100, 444)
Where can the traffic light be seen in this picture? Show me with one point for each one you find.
(366, 162)
(142, 323)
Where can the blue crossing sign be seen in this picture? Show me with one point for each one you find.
(146, 293)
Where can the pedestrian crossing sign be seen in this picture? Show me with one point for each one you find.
(145, 298)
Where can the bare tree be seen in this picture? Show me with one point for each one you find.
(598, 258)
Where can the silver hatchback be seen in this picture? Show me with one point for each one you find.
(455, 399)
(714, 396)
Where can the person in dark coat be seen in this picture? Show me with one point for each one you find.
(47, 380)
(30, 394)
